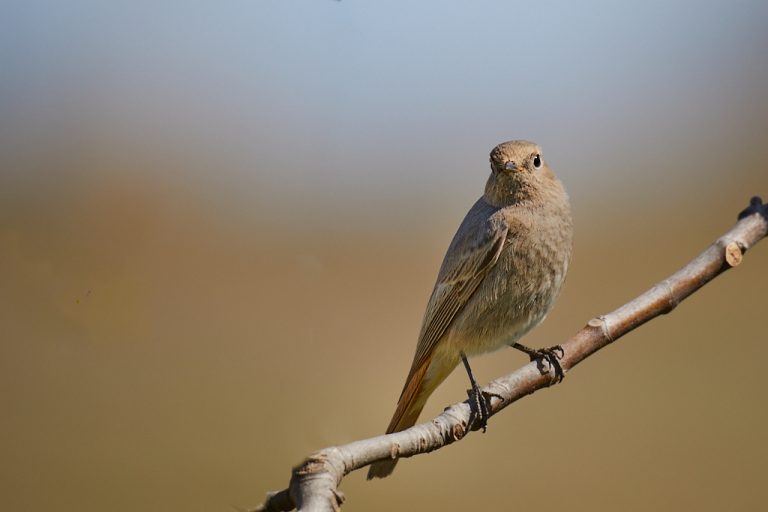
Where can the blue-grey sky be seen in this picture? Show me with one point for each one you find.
(326, 102)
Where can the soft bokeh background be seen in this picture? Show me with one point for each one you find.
(220, 223)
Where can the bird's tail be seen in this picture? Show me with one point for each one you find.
(418, 387)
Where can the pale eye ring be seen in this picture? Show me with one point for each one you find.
(537, 161)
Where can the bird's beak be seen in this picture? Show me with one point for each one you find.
(510, 166)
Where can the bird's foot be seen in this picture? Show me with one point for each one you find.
(551, 355)
(481, 413)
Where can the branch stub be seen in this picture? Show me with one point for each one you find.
(733, 254)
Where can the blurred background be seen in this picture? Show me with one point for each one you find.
(220, 224)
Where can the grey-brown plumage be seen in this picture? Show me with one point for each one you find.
(499, 278)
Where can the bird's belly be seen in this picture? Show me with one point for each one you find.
(494, 332)
(508, 310)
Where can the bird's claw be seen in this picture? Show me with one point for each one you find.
(481, 413)
(553, 359)
(550, 355)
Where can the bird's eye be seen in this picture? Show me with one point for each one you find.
(537, 161)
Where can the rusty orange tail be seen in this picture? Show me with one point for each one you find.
(412, 400)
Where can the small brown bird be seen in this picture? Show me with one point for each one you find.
(499, 278)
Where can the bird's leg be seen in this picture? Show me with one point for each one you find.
(476, 394)
(549, 354)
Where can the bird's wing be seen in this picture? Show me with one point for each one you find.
(474, 250)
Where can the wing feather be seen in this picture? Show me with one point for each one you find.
(473, 252)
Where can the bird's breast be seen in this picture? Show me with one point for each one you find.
(518, 291)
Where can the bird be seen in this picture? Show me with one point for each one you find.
(500, 276)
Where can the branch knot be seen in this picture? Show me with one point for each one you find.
(601, 322)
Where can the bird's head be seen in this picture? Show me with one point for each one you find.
(519, 173)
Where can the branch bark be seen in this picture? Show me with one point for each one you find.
(314, 483)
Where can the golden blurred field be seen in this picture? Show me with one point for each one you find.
(161, 351)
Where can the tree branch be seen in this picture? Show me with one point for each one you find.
(315, 481)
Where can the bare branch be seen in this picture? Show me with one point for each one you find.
(314, 483)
